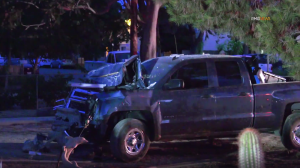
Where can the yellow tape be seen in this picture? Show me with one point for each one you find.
(109, 74)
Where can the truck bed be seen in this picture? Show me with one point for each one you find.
(272, 100)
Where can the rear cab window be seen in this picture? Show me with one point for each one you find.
(228, 73)
(194, 75)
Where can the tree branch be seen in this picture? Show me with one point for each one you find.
(139, 19)
(29, 3)
(87, 7)
(127, 5)
(33, 25)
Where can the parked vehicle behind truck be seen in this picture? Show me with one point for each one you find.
(132, 104)
(111, 58)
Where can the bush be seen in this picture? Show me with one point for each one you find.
(55, 88)
(49, 90)
(7, 101)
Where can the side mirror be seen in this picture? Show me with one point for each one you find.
(174, 84)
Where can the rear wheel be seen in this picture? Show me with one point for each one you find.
(288, 137)
(129, 141)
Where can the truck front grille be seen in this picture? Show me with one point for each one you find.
(77, 105)
(81, 94)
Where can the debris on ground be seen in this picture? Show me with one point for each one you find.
(37, 144)
(71, 144)
(34, 153)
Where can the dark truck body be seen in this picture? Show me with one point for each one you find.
(211, 111)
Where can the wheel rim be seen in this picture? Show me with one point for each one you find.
(297, 139)
(134, 141)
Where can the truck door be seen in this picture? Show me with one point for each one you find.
(234, 96)
(183, 110)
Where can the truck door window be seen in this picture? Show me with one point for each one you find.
(110, 58)
(194, 75)
(228, 73)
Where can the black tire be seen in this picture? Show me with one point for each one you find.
(118, 136)
(287, 137)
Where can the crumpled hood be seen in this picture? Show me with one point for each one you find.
(111, 74)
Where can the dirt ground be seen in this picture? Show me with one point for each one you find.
(170, 155)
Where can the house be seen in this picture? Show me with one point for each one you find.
(211, 43)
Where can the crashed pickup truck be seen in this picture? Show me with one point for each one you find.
(167, 98)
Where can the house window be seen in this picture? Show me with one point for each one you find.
(123, 48)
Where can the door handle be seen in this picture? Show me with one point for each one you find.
(244, 94)
(207, 96)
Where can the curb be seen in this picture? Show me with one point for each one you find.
(38, 161)
(25, 120)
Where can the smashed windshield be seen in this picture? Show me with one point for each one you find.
(154, 70)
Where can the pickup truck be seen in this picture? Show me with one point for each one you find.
(112, 58)
(178, 97)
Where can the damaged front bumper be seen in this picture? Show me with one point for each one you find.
(74, 111)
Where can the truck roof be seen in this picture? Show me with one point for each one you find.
(119, 52)
(174, 59)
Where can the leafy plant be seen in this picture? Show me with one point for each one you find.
(54, 88)
(7, 100)
(199, 49)
(234, 47)
(250, 149)
(220, 47)
(49, 89)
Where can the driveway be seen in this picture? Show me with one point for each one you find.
(193, 153)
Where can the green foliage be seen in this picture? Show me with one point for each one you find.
(275, 36)
(7, 100)
(57, 29)
(24, 89)
(54, 88)
(221, 47)
(280, 72)
(199, 49)
(250, 149)
(234, 47)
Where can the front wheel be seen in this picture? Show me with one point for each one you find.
(288, 137)
(129, 141)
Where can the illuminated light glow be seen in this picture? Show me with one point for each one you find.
(128, 22)
(262, 51)
(165, 121)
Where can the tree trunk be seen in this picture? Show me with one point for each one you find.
(35, 65)
(149, 38)
(8, 66)
(197, 43)
(158, 42)
(133, 28)
(175, 41)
